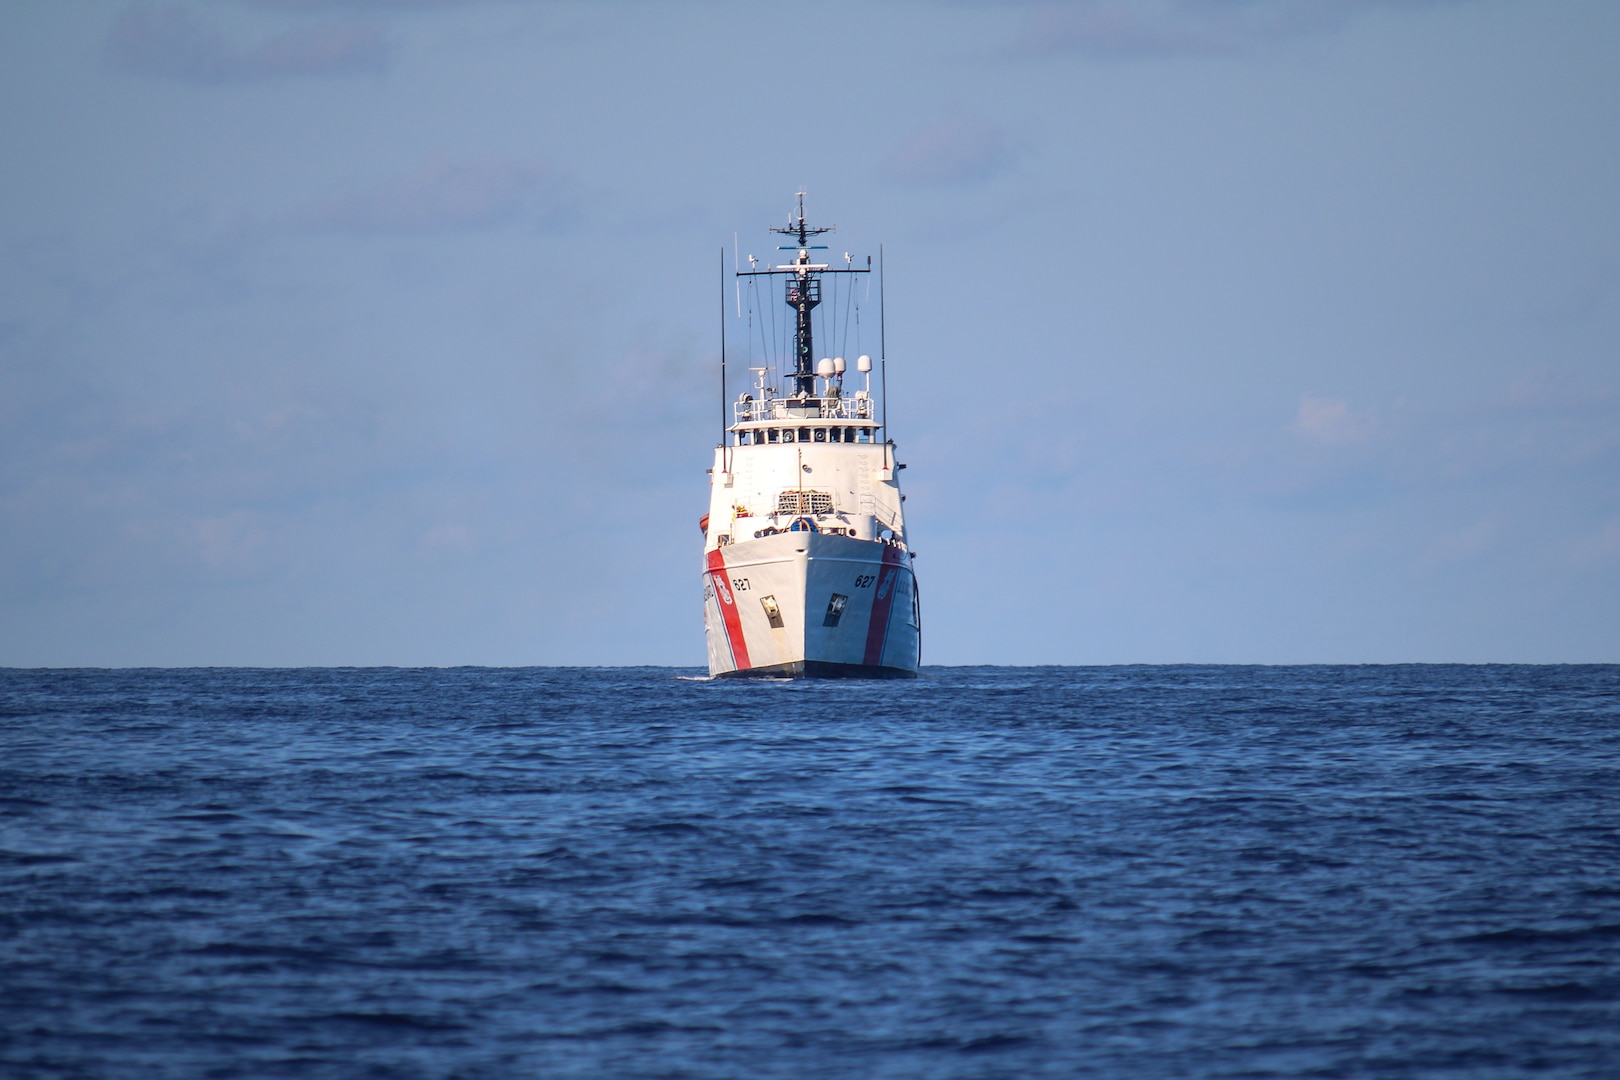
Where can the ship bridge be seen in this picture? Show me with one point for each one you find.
(811, 461)
(821, 414)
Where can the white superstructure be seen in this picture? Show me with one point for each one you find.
(807, 568)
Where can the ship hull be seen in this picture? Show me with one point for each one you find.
(819, 669)
(810, 605)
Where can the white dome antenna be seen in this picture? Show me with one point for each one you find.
(863, 363)
(838, 365)
(824, 367)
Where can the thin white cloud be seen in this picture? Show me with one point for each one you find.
(1461, 545)
(956, 151)
(172, 41)
(1330, 421)
(387, 6)
(1120, 30)
(230, 541)
(446, 197)
(449, 538)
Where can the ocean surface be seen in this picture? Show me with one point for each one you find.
(988, 872)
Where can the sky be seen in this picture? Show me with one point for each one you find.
(354, 332)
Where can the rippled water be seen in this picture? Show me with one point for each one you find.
(1133, 872)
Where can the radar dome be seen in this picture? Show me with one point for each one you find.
(838, 365)
(824, 367)
(863, 363)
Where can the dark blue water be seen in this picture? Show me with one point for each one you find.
(1131, 872)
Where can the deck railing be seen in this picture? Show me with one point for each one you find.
(857, 407)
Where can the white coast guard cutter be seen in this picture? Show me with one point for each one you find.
(807, 569)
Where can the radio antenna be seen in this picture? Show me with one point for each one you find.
(883, 346)
(722, 346)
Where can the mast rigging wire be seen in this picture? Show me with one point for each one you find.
(849, 302)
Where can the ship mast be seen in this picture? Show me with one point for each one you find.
(802, 291)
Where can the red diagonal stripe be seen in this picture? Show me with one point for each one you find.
(730, 617)
(888, 583)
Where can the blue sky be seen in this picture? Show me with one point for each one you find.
(371, 332)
